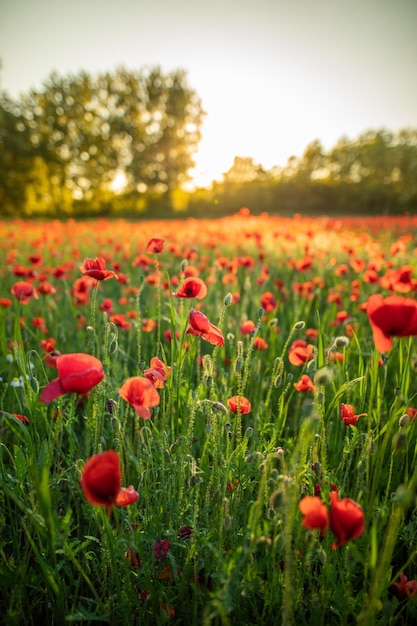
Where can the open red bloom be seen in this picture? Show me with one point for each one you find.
(268, 301)
(347, 520)
(406, 588)
(96, 268)
(101, 481)
(155, 246)
(140, 393)
(239, 404)
(246, 328)
(395, 316)
(158, 372)
(300, 352)
(315, 513)
(192, 287)
(304, 384)
(202, 327)
(23, 291)
(77, 373)
(347, 414)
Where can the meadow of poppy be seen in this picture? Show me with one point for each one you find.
(273, 364)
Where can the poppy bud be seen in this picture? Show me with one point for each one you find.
(228, 299)
(399, 442)
(341, 342)
(403, 421)
(299, 325)
(219, 407)
(323, 376)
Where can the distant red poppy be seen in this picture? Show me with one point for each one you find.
(192, 287)
(315, 513)
(22, 418)
(77, 373)
(347, 414)
(394, 316)
(406, 588)
(24, 291)
(260, 344)
(96, 268)
(247, 327)
(304, 384)
(158, 372)
(202, 327)
(140, 393)
(119, 319)
(161, 549)
(101, 481)
(155, 246)
(239, 404)
(268, 301)
(347, 520)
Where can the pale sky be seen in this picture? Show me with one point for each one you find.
(273, 75)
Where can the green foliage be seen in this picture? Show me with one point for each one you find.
(65, 145)
(223, 488)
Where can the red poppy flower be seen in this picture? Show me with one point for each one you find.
(23, 291)
(247, 327)
(239, 404)
(268, 301)
(155, 246)
(315, 513)
(21, 418)
(120, 321)
(101, 481)
(202, 327)
(77, 373)
(300, 352)
(394, 316)
(406, 588)
(260, 344)
(347, 520)
(161, 549)
(96, 268)
(304, 384)
(192, 287)
(140, 393)
(158, 372)
(347, 414)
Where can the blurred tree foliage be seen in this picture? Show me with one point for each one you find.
(122, 143)
(373, 174)
(64, 149)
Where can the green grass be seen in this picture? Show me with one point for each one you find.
(235, 480)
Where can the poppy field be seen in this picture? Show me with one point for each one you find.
(209, 421)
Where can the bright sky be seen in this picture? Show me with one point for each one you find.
(273, 75)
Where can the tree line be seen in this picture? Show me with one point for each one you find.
(122, 143)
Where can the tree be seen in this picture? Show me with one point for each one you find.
(87, 130)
